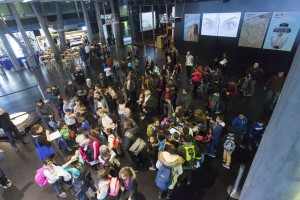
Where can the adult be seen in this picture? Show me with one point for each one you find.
(189, 63)
(131, 90)
(9, 128)
(70, 89)
(216, 132)
(45, 112)
(79, 77)
(83, 55)
(254, 73)
(148, 104)
(149, 64)
(274, 86)
(105, 120)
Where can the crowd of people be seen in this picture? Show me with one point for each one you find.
(101, 121)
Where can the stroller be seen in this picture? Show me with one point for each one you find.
(244, 85)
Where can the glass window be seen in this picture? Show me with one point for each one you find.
(68, 6)
(4, 11)
(49, 7)
(23, 8)
(123, 11)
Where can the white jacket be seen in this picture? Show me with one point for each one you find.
(55, 172)
(107, 122)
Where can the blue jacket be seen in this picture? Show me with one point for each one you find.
(240, 125)
(256, 129)
(217, 131)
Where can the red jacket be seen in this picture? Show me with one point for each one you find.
(197, 77)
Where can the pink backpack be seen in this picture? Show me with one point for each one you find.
(40, 178)
(114, 186)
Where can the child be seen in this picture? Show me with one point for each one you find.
(70, 120)
(65, 136)
(67, 104)
(229, 146)
(128, 183)
(152, 151)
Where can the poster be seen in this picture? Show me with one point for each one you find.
(191, 27)
(282, 31)
(220, 24)
(254, 29)
(146, 20)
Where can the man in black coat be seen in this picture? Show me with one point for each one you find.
(9, 128)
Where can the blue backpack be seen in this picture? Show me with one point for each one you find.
(164, 177)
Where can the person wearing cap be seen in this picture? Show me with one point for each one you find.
(9, 128)
(274, 86)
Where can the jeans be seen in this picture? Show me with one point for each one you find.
(10, 136)
(212, 146)
(272, 98)
(252, 87)
(63, 142)
(57, 185)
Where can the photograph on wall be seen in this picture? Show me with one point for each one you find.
(254, 29)
(282, 31)
(147, 22)
(191, 27)
(220, 24)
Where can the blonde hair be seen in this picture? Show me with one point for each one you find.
(147, 92)
(128, 172)
(101, 111)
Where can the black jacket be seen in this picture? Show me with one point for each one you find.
(5, 122)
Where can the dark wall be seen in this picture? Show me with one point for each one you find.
(211, 46)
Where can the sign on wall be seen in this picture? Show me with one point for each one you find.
(282, 31)
(220, 24)
(191, 27)
(254, 29)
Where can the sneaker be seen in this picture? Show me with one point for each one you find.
(250, 147)
(188, 183)
(4, 186)
(224, 160)
(63, 195)
(16, 149)
(211, 155)
(217, 112)
(70, 149)
(226, 166)
(152, 168)
(242, 146)
(249, 95)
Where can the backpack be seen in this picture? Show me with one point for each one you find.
(164, 177)
(40, 178)
(114, 187)
(229, 144)
(150, 130)
(190, 152)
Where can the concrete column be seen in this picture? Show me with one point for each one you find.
(36, 7)
(275, 171)
(60, 26)
(99, 22)
(11, 54)
(116, 26)
(87, 21)
(31, 55)
(4, 27)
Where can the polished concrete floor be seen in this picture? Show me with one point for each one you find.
(210, 182)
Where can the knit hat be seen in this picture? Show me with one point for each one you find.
(104, 151)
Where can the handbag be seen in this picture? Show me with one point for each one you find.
(137, 146)
(43, 151)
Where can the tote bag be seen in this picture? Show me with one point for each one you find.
(137, 146)
(43, 151)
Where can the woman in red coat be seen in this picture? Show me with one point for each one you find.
(196, 79)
